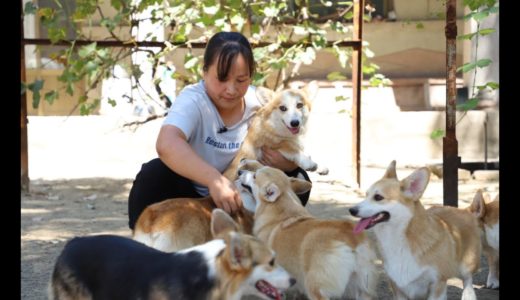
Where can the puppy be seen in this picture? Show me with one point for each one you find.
(326, 258)
(487, 213)
(279, 125)
(113, 267)
(421, 249)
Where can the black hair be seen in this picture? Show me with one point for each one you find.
(224, 47)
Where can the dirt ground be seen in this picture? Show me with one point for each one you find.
(81, 173)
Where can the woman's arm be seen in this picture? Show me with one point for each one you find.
(177, 154)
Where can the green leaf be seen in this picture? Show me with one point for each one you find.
(468, 36)
(493, 85)
(51, 96)
(332, 76)
(467, 67)
(87, 50)
(112, 102)
(437, 133)
(468, 105)
(419, 25)
(30, 8)
(341, 98)
(481, 63)
(486, 31)
(35, 88)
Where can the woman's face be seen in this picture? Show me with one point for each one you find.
(228, 94)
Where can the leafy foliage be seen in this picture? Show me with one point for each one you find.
(186, 22)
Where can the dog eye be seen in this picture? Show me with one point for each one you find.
(271, 262)
(299, 105)
(378, 197)
(283, 108)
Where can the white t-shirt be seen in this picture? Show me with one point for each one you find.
(197, 117)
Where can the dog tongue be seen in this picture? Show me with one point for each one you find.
(268, 290)
(294, 130)
(362, 224)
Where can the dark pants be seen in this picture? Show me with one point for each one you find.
(156, 182)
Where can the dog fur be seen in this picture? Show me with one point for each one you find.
(488, 214)
(180, 223)
(113, 267)
(421, 249)
(326, 258)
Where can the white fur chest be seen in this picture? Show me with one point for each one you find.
(492, 235)
(401, 264)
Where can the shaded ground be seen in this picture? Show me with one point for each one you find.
(62, 204)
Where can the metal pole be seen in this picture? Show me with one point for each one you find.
(357, 79)
(23, 116)
(451, 160)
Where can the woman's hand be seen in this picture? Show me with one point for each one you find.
(225, 195)
(275, 159)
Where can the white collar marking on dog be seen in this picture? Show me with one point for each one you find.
(210, 250)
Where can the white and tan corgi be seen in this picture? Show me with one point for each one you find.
(326, 257)
(421, 249)
(280, 125)
(118, 268)
(488, 214)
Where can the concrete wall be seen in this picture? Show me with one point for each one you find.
(387, 133)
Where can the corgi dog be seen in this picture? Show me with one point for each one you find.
(180, 223)
(420, 248)
(279, 124)
(326, 257)
(114, 267)
(488, 214)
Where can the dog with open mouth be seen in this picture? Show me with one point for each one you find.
(326, 257)
(117, 268)
(420, 248)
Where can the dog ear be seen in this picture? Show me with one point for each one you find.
(239, 252)
(478, 206)
(414, 185)
(249, 165)
(221, 223)
(264, 95)
(390, 171)
(270, 192)
(311, 89)
(300, 186)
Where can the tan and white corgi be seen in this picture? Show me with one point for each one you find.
(488, 215)
(114, 267)
(279, 125)
(421, 249)
(326, 257)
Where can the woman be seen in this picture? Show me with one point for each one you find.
(202, 132)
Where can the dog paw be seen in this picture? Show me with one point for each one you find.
(311, 167)
(492, 282)
(323, 171)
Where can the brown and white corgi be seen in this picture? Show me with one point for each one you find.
(118, 268)
(421, 249)
(488, 215)
(326, 257)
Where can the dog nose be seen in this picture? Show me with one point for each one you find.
(295, 123)
(353, 211)
(292, 281)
